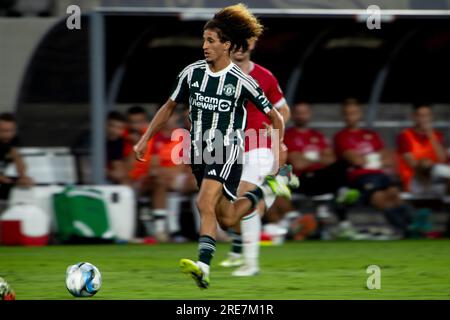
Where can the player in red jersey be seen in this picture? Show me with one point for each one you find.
(259, 161)
(367, 159)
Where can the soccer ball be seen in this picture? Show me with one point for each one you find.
(6, 292)
(83, 279)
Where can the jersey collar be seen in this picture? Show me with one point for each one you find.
(218, 73)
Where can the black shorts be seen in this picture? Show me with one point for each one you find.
(227, 170)
(368, 184)
(322, 181)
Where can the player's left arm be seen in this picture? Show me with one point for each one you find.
(276, 97)
(260, 100)
(278, 147)
(277, 123)
(285, 112)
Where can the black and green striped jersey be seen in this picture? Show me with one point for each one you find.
(217, 100)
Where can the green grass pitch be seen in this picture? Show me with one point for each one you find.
(412, 269)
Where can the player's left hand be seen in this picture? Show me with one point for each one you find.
(269, 128)
(139, 151)
(283, 154)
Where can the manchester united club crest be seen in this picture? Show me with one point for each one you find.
(229, 89)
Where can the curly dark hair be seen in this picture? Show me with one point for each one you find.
(235, 24)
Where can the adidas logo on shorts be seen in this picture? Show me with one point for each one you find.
(212, 172)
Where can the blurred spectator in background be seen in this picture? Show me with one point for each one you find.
(423, 159)
(9, 154)
(163, 179)
(116, 171)
(364, 152)
(138, 172)
(314, 162)
(168, 176)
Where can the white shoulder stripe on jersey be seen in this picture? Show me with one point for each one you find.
(244, 80)
(247, 77)
(174, 95)
(247, 85)
(238, 73)
(237, 93)
(193, 66)
(190, 68)
(190, 73)
(251, 89)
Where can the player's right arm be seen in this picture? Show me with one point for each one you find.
(160, 119)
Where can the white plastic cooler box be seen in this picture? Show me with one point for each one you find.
(120, 200)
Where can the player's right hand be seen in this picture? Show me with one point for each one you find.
(139, 151)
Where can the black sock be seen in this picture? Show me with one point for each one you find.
(206, 249)
(254, 196)
(236, 243)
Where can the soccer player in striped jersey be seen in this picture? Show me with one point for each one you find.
(259, 161)
(217, 90)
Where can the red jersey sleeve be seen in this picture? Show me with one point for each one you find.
(274, 93)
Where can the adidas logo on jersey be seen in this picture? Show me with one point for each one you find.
(195, 84)
(212, 172)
